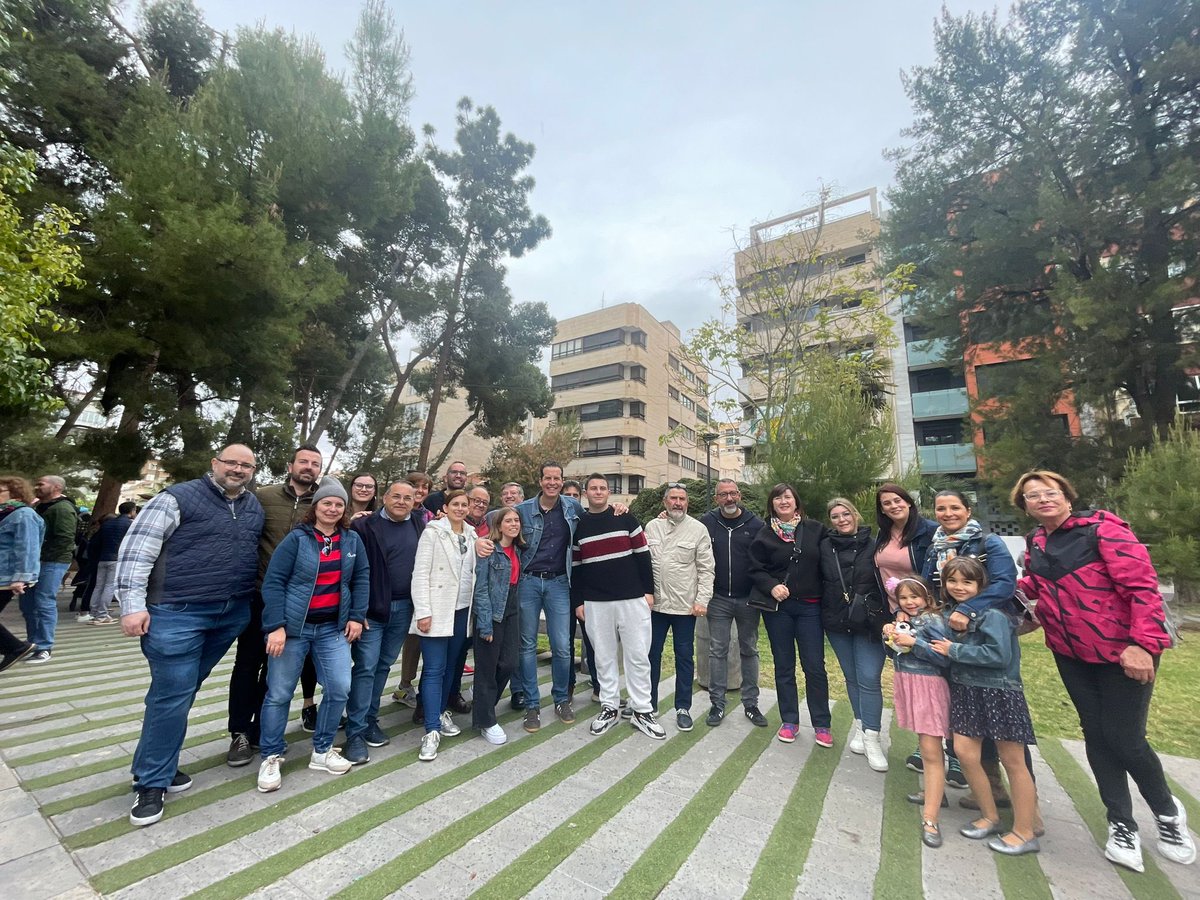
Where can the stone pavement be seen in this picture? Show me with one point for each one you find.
(718, 813)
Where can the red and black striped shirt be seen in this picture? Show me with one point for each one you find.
(327, 592)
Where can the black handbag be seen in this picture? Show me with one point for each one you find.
(761, 600)
(857, 610)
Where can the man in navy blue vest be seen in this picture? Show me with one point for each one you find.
(185, 578)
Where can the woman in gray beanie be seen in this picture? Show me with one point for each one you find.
(314, 600)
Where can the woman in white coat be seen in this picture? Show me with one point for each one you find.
(443, 583)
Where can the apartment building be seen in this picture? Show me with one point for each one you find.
(643, 411)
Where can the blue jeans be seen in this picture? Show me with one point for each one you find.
(437, 655)
(683, 641)
(40, 606)
(797, 625)
(552, 595)
(183, 643)
(331, 656)
(861, 660)
(374, 653)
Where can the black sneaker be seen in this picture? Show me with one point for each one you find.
(626, 709)
(240, 752)
(308, 718)
(754, 714)
(648, 725)
(716, 716)
(607, 718)
(10, 659)
(355, 751)
(517, 701)
(147, 807)
(915, 762)
(459, 704)
(375, 736)
(683, 720)
(180, 783)
(954, 775)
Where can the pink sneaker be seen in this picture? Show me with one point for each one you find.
(787, 732)
(823, 737)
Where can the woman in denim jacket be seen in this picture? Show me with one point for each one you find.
(21, 532)
(987, 700)
(497, 637)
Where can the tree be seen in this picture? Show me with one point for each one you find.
(514, 460)
(1048, 195)
(1160, 498)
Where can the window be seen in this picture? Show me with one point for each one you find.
(637, 409)
(672, 362)
(672, 424)
(604, 446)
(607, 409)
(702, 414)
(672, 393)
(637, 373)
(689, 434)
(1010, 318)
(584, 377)
(637, 484)
(612, 338)
(638, 339)
(614, 483)
(856, 260)
(935, 380)
(672, 458)
(687, 402)
(637, 447)
(1003, 380)
(943, 431)
(689, 465)
(689, 375)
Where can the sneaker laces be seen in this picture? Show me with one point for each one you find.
(1168, 830)
(1122, 834)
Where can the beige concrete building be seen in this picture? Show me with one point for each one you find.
(642, 409)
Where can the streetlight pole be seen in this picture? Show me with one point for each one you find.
(708, 437)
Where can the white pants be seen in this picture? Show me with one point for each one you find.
(627, 621)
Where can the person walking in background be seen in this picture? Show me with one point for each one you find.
(785, 563)
(185, 581)
(731, 530)
(1098, 602)
(40, 606)
(21, 533)
(315, 597)
(106, 543)
(682, 560)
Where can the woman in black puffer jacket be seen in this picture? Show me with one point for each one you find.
(848, 570)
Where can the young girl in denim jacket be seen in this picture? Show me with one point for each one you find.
(987, 700)
(920, 690)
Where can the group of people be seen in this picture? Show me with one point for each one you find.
(317, 584)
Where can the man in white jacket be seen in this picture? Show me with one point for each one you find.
(682, 558)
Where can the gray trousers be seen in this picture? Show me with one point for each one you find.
(722, 611)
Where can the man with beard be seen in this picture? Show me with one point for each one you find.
(456, 480)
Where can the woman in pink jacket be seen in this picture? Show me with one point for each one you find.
(1099, 606)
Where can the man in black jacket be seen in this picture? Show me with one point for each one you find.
(732, 527)
(391, 537)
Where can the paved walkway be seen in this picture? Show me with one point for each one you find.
(718, 813)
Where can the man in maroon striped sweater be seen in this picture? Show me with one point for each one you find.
(612, 589)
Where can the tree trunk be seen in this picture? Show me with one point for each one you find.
(241, 429)
(191, 426)
(109, 494)
(437, 463)
(439, 374)
(84, 402)
(402, 377)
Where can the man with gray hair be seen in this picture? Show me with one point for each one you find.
(511, 494)
(40, 606)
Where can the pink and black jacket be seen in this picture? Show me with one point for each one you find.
(1095, 587)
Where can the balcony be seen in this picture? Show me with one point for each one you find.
(940, 404)
(947, 458)
(927, 353)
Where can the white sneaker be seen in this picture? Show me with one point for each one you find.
(494, 735)
(429, 746)
(269, 776)
(84, 619)
(331, 761)
(1174, 840)
(449, 729)
(856, 738)
(1124, 847)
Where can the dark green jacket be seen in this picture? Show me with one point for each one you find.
(282, 510)
(61, 520)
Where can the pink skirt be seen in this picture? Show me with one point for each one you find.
(922, 703)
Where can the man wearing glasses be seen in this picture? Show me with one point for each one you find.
(283, 504)
(732, 528)
(185, 580)
(456, 480)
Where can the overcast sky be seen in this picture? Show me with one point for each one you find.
(662, 130)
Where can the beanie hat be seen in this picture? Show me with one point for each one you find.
(330, 487)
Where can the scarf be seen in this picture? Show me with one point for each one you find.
(947, 545)
(785, 531)
(10, 506)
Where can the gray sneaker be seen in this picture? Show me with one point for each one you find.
(533, 719)
(648, 725)
(240, 752)
(565, 712)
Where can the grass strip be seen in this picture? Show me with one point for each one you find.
(1149, 885)
(658, 864)
(783, 857)
(1189, 802)
(531, 867)
(1021, 877)
(17, 684)
(899, 875)
(78, 801)
(135, 693)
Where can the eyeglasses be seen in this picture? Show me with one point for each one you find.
(365, 486)
(235, 464)
(728, 493)
(479, 502)
(462, 544)
(1035, 496)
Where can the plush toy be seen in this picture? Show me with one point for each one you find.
(899, 628)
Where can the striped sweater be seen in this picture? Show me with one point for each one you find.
(609, 559)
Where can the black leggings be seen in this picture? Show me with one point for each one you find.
(9, 642)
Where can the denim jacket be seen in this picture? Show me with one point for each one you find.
(492, 577)
(21, 534)
(922, 659)
(292, 575)
(532, 518)
(988, 653)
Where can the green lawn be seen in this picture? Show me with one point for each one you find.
(1174, 726)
